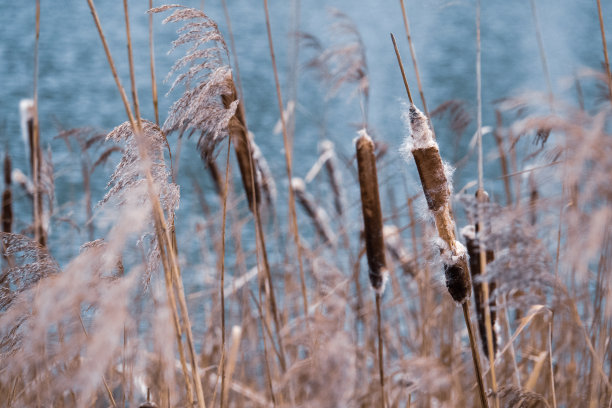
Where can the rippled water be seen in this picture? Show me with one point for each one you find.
(76, 87)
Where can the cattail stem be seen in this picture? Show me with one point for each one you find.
(414, 60)
(35, 150)
(480, 201)
(222, 283)
(373, 232)
(401, 65)
(466, 315)
(381, 366)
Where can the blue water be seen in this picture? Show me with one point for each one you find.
(76, 88)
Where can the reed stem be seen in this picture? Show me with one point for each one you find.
(288, 161)
(605, 48)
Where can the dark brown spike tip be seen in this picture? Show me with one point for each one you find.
(458, 280)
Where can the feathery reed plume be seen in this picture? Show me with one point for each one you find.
(128, 177)
(317, 214)
(373, 231)
(88, 139)
(347, 61)
(471, 236)
(205, 76)
(7, 196)
(458, 115)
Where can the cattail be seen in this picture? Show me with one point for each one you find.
(238, 132)
(423, 147)
(7, 197)
(470, 234)
(372, 214)
(315, 212)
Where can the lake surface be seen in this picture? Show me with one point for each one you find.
(76, 88)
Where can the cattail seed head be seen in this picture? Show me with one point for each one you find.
(421, 145)
(372, 214)
(239, 134)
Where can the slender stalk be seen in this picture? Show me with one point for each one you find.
(550, 366)
(222, 283)
(542, 53)
(414, 61)
(152, 65)
(401, 65)
(480, 201)
(131, 62)
(381, 365)
(605, 47)
(424, 149)
(288, 161)
(39, 233)
(466, 315)
(162, 231)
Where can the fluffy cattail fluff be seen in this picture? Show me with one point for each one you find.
(421, 145)
(315, 212)
(473, 247)
(7, 197)
(372, 214)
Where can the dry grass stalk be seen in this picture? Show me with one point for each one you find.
(167, 249)
(152, 66)
(288, 161)
(414, 60)
(605, 48)
(239, 134)
(470, 234)
(317, 214)
(373, 233)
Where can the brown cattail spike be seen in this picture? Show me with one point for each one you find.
(423, 147)
(372, 214)
(239, 134)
